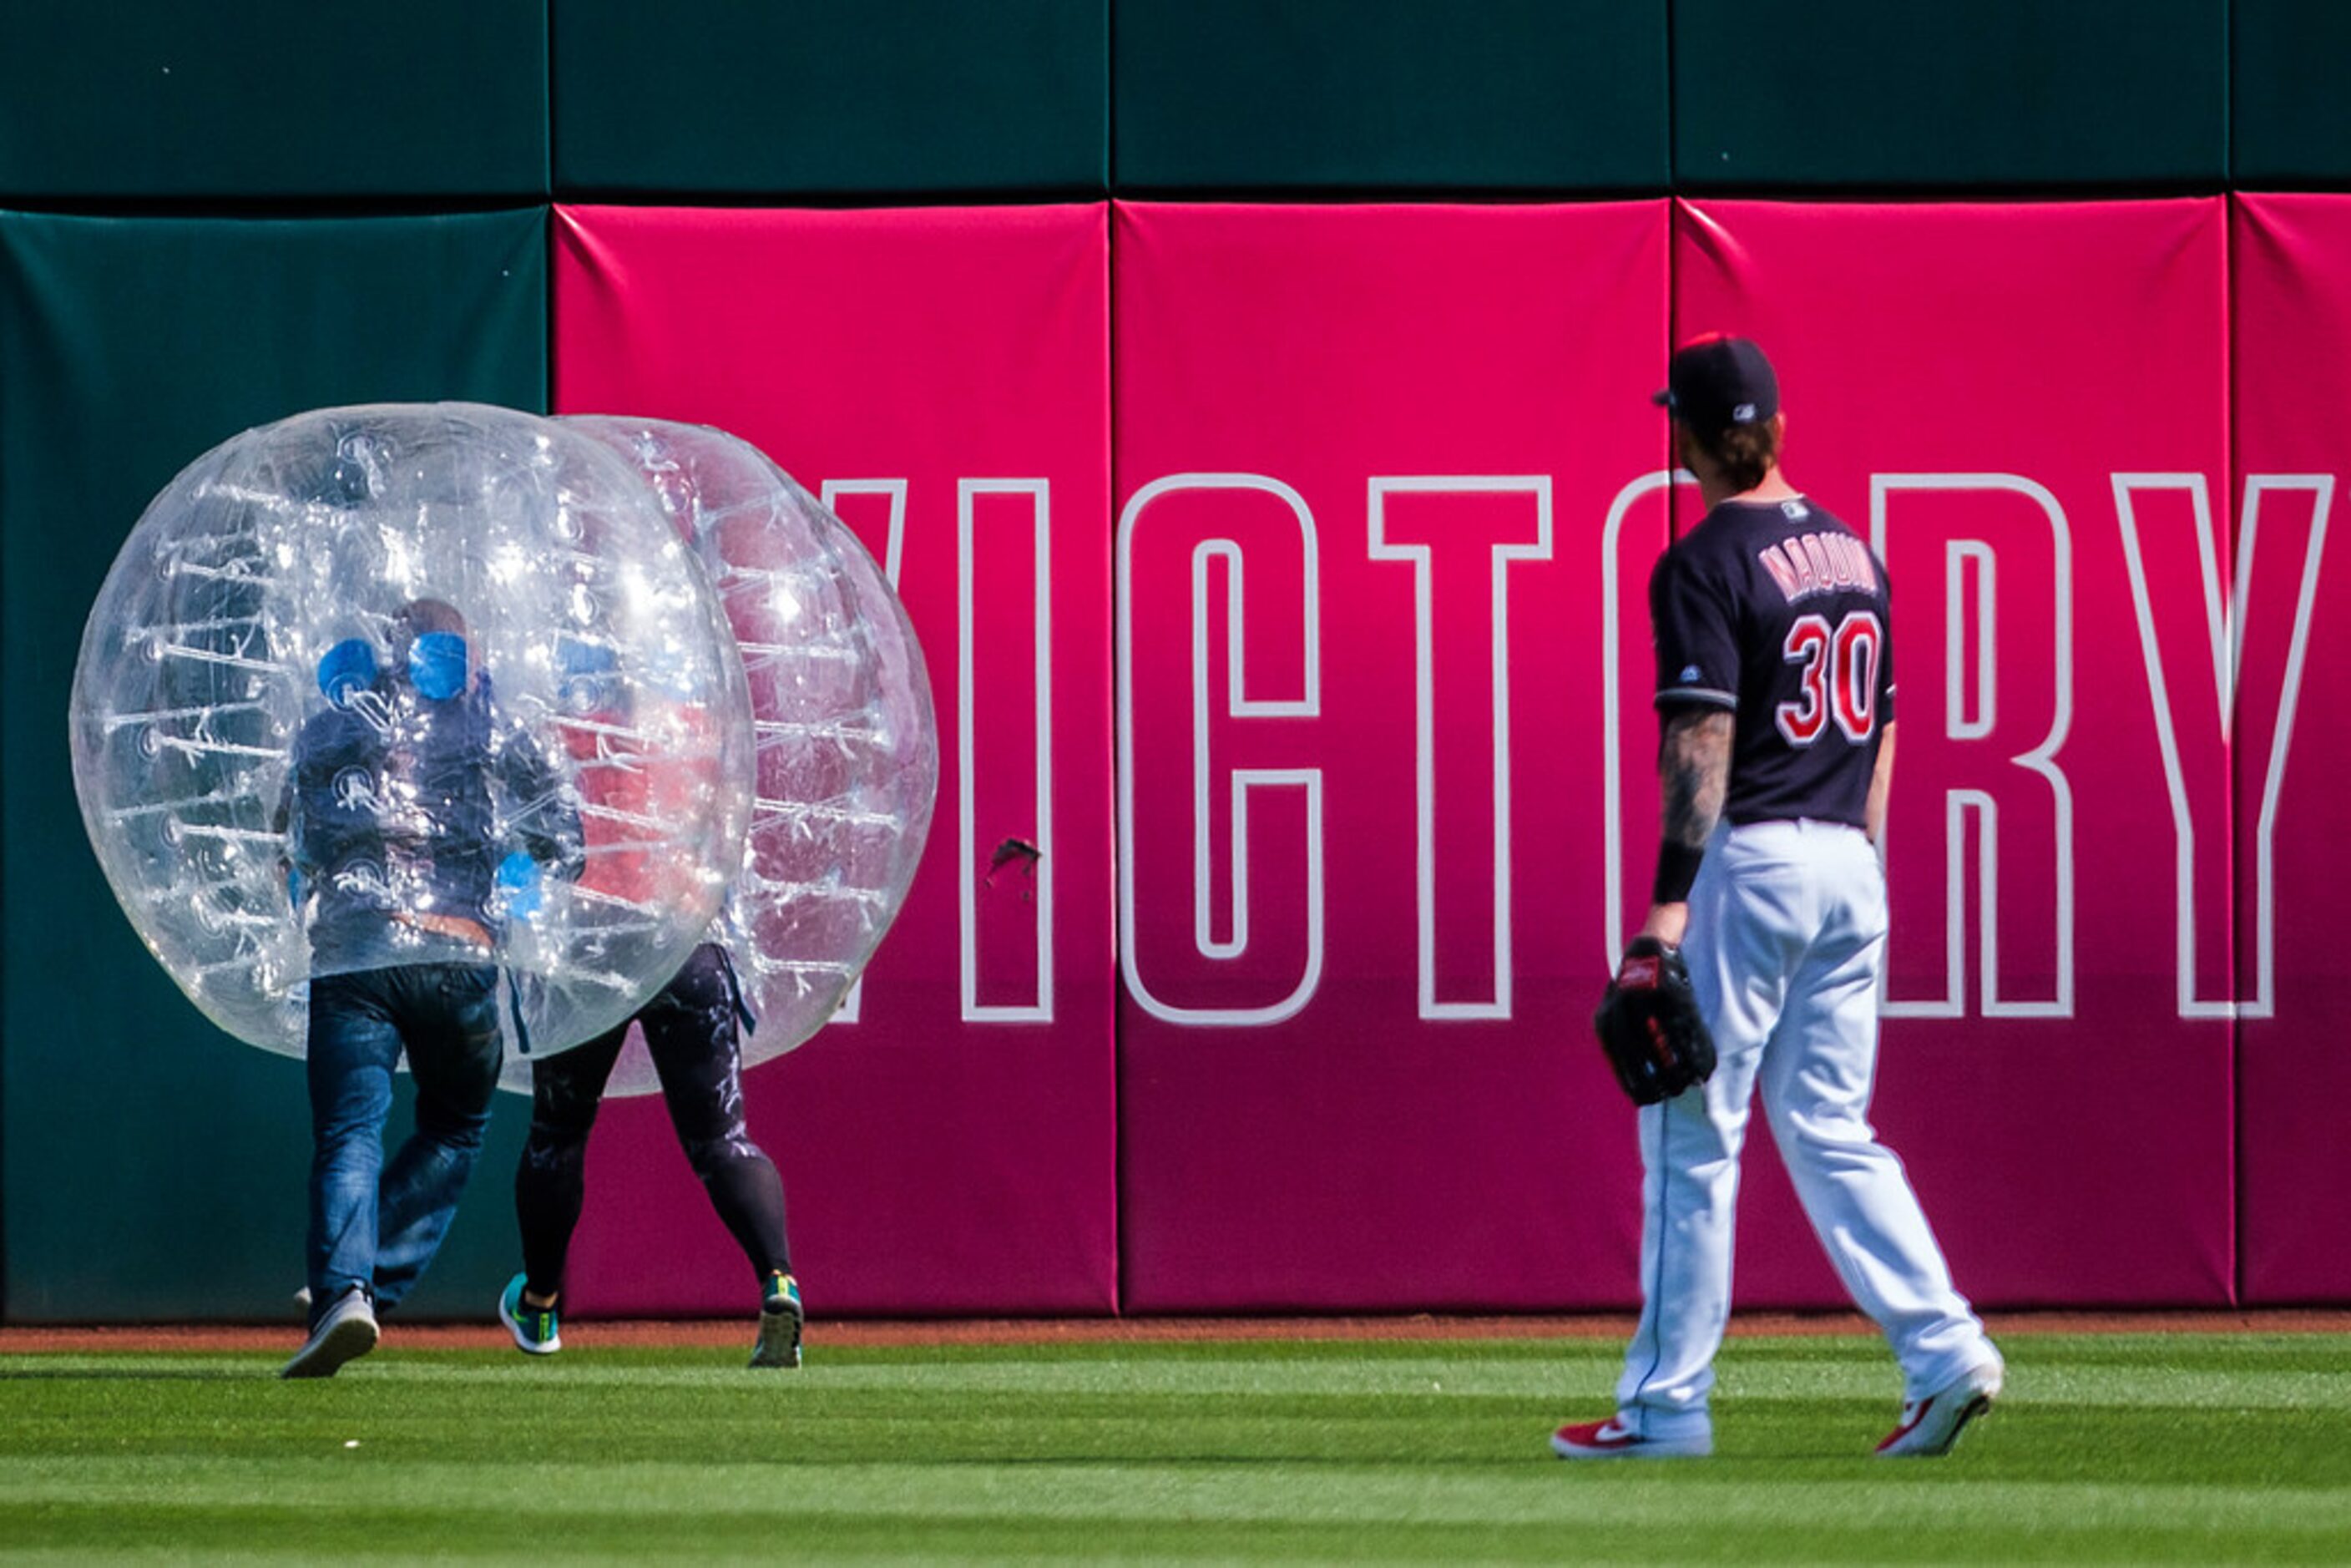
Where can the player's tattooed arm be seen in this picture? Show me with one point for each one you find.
(1694, 768)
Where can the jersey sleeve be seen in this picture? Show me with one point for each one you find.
(1696, 638)
(1886, 655)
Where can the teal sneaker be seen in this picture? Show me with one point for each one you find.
(781, 1318)
(535, 1329)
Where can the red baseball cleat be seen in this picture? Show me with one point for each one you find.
(1930, 1426)
(1610, 1440)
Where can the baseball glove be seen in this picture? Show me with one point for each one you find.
(1649, 1026)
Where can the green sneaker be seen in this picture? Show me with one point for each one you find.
(781, 1317)
(534, 1328)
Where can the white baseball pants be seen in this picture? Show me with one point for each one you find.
(1787, 934)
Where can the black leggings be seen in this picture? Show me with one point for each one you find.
(690, 1032)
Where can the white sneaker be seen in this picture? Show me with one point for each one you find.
(346, 1332)
(1610, 1440)
(1930, 1426)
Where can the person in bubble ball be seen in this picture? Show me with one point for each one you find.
(393, 810)
(692, 1028)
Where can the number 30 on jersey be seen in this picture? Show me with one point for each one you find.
(1839, 678)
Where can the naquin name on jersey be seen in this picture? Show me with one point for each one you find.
(1812, 564)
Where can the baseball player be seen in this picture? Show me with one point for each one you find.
(1775, 694)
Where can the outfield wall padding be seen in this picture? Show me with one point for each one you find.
(153, 1166)
(917, 97)
(1390, 95)
(141, 101)
(1288, 1100)
(2287, 127)
(942, 374)
(149, 103)
(2002, 93)
(1964, 385)
(1367, 461)
(2291, 287)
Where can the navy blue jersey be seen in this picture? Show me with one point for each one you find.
(1777, 611)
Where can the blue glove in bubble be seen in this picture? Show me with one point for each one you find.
(346, 670)
(436, 665)
(520, 889)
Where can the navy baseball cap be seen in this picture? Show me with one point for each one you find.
(1716, 381)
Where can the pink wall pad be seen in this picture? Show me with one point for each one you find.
(1389, 487)
(2291, 287)
(2025, 407)
(942, 376)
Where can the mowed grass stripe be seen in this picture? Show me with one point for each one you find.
(271, 1535)
(1146, 1494)
(1750, 1371)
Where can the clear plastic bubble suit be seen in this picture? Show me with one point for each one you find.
(413, 684)
(848, 744)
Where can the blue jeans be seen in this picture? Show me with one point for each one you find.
(371, 1225)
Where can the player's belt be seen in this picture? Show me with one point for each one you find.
(455, 926)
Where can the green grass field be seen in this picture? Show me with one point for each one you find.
(2121, 1447)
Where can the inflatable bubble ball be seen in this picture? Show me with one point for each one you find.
(408, 685)
(848, 753)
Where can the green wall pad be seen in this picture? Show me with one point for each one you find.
(2287, 126)
(272, 99)
(796, 98)
(152, 1167)
(1861, 94)
(1390, 95)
